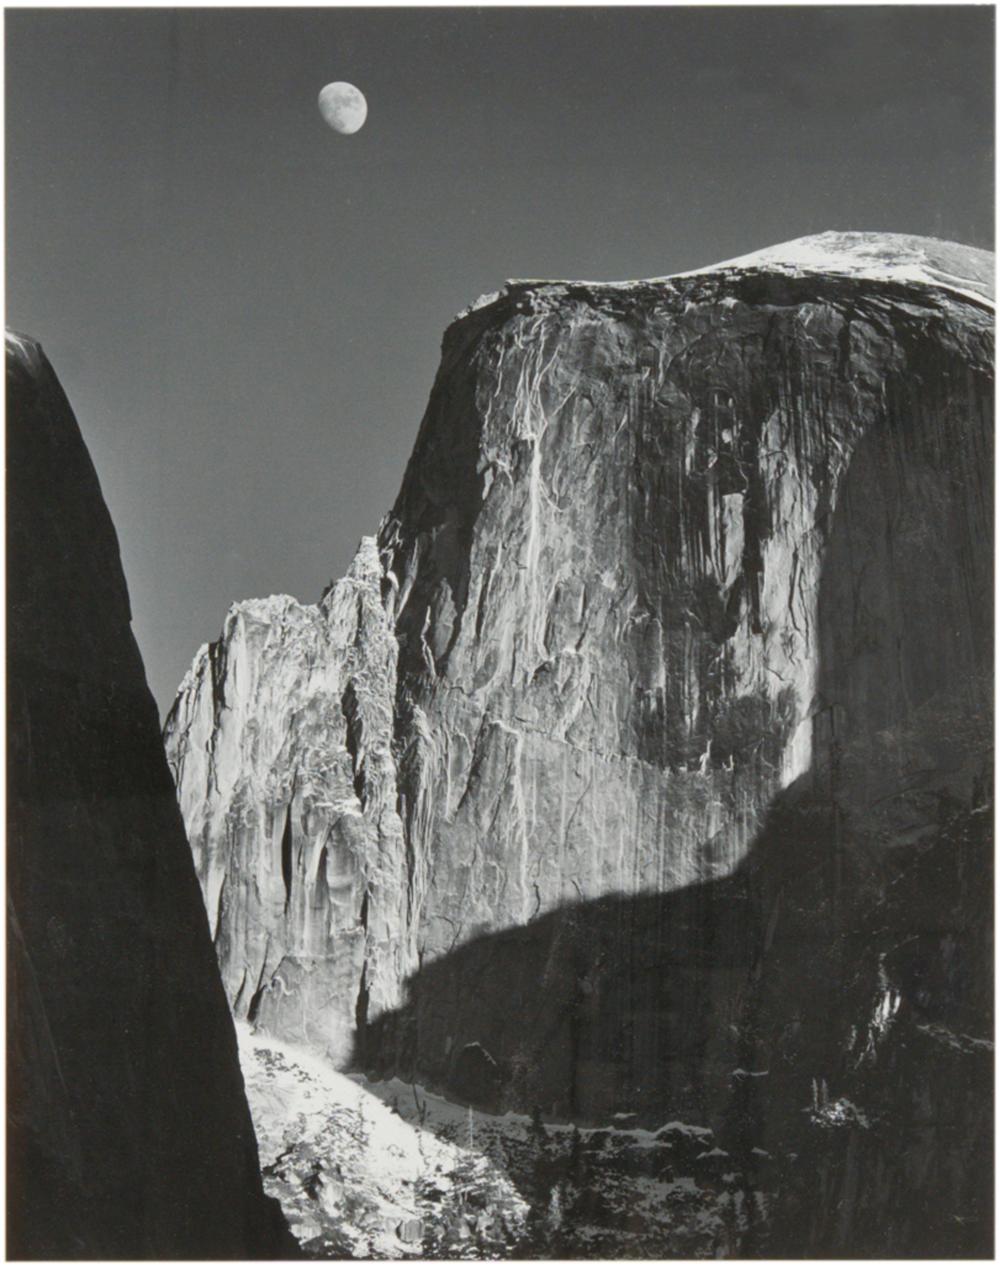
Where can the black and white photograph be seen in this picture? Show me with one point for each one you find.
(499, 632)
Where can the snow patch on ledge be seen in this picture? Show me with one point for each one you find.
(23, 349)
(897, 257)
(18, 343)
(905, 259)
(483, 301)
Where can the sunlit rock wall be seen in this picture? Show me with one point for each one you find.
(599, 633)
(280, 742)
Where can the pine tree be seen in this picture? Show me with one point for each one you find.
(537, 1131)
(554, 1213)
(495, 1154)
(538, 1235)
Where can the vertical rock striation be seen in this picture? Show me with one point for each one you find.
(667, 555)
(128, 1131)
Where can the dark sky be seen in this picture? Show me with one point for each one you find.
(245, 308)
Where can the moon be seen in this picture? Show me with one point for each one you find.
(343, 106)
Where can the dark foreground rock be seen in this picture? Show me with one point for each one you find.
(128, 1130)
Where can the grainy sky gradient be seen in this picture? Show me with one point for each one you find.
(245, 308)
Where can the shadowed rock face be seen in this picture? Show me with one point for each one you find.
(129, 1134)
(827, 1012)
(663, 551)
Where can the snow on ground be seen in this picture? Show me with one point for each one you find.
(301, 1101)
(352, 1175)
(414, 1101)
(389, 1170)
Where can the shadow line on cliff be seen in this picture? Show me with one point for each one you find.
(728, 1001)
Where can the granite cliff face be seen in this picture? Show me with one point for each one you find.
(641, 763)
(281, 744)
(586, 650)
(128, 1131)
